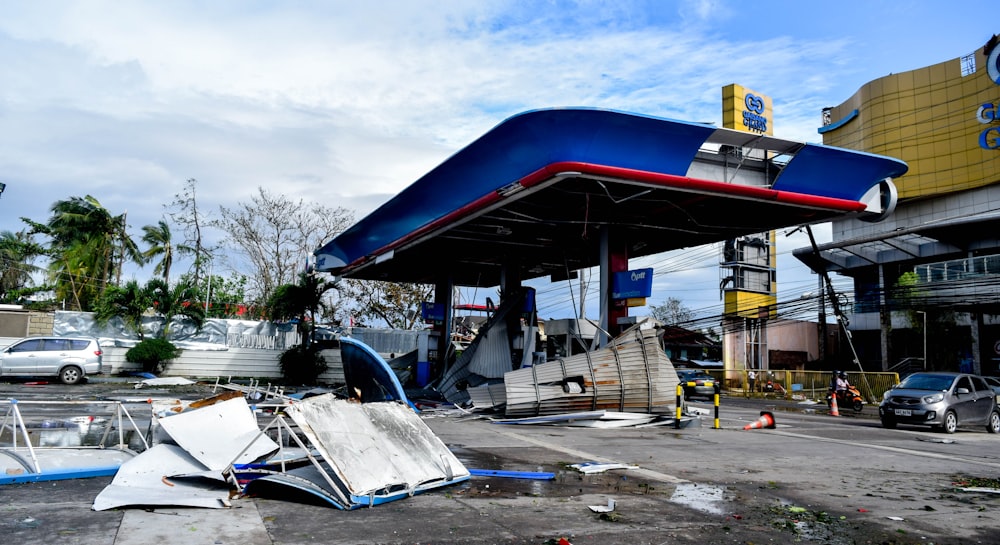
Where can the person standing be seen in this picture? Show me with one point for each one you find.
(751, 379)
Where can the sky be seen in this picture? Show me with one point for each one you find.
(347, 103)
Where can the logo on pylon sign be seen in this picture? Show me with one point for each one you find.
(993, 64)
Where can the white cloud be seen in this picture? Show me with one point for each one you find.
(347, 103)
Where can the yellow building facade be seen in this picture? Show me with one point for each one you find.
(942, 241)
(942, 120)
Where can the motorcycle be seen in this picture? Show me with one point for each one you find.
(851, 397)
(771, 386)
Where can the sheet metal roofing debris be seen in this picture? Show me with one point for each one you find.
(220, 434)
(486, 360)
(164, 381)
(589, 419)
(603, 508)
(374, 453)
(350, 453)
(599, 467)
(155, 477)
(632, 374)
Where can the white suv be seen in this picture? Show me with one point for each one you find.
(69, 358)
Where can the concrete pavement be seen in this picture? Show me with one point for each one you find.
(815, 479)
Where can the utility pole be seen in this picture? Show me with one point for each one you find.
(838, 313)
(822, 320)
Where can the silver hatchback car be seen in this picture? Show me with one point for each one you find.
(69, 358)
(942, 400)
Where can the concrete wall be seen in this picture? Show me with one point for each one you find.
(794, 336)
(14, 322)
(40, 323)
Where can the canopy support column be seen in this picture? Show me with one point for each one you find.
(444, 291)
(614, 259)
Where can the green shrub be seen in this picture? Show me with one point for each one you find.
(302, 365)
(152, 354)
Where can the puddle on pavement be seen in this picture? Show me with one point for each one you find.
(704, 498)
(569, 482)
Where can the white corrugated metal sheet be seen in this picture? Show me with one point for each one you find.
(235, 362)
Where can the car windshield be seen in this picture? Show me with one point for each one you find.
(938, 383)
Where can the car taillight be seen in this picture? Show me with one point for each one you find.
(97, 352)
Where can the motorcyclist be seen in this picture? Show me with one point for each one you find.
(845, 394)
(841, 386)
(842, 382)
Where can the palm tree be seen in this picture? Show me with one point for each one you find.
(179, 300)
(300, 301)
(158, 238)
(17, 251)
(88, 247)
(129, 302)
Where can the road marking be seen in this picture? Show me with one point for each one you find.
(648, 473)
(886, 448)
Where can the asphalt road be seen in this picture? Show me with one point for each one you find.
(814, 479)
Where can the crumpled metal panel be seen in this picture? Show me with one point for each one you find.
(488, 358)
(215, 434)
(148, 479)
(367, 374)
(375, 448)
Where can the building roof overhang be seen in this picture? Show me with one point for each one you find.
(939, 239)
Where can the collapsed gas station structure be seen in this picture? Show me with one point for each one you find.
(550, 192)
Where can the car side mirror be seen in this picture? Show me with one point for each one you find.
(961, 390)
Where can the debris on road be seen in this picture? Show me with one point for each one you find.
(603, 508)
(599, 467)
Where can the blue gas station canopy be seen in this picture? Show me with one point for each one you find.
(535, 191)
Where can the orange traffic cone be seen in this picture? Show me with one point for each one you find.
(766, 420)
(834, 411)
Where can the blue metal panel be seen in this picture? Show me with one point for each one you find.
(839, 123)
(833, 172)
(514, 149)
(365, 370)
(60, 474)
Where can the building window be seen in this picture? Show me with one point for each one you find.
(969, 64)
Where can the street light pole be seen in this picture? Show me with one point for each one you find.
(925, 337)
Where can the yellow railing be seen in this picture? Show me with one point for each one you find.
(808, 384)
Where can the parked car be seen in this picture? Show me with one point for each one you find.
(69, 358)
(994, 383)
(941, 400)
(704, 384)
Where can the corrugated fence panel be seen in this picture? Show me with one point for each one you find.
(235, 362)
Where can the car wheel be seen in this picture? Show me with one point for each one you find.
(950, 422)
(993, 423)
(70, 375)
(888, 423)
